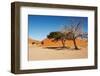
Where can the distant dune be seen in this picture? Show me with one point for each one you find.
(51, 43)
(69, 43)
(33, 42)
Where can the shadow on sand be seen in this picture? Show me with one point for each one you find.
(60, 48)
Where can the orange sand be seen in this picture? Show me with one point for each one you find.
(69, 43)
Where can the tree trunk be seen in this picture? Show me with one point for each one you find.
(75, 45)
(63, 43)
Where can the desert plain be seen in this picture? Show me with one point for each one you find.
(50, 50)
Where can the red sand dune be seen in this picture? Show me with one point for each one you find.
(51, 43)
(69, 43)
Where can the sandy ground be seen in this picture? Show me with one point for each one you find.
(42, 53)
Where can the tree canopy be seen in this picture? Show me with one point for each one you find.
(58, 36)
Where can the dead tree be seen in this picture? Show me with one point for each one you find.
(72, 32)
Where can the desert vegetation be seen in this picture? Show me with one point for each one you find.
(71, 32)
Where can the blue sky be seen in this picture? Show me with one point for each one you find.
(39, 26)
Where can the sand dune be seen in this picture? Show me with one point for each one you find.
(69, 43)
(51, 43)
(33, 42)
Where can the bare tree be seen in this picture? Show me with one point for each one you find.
(73, 32)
